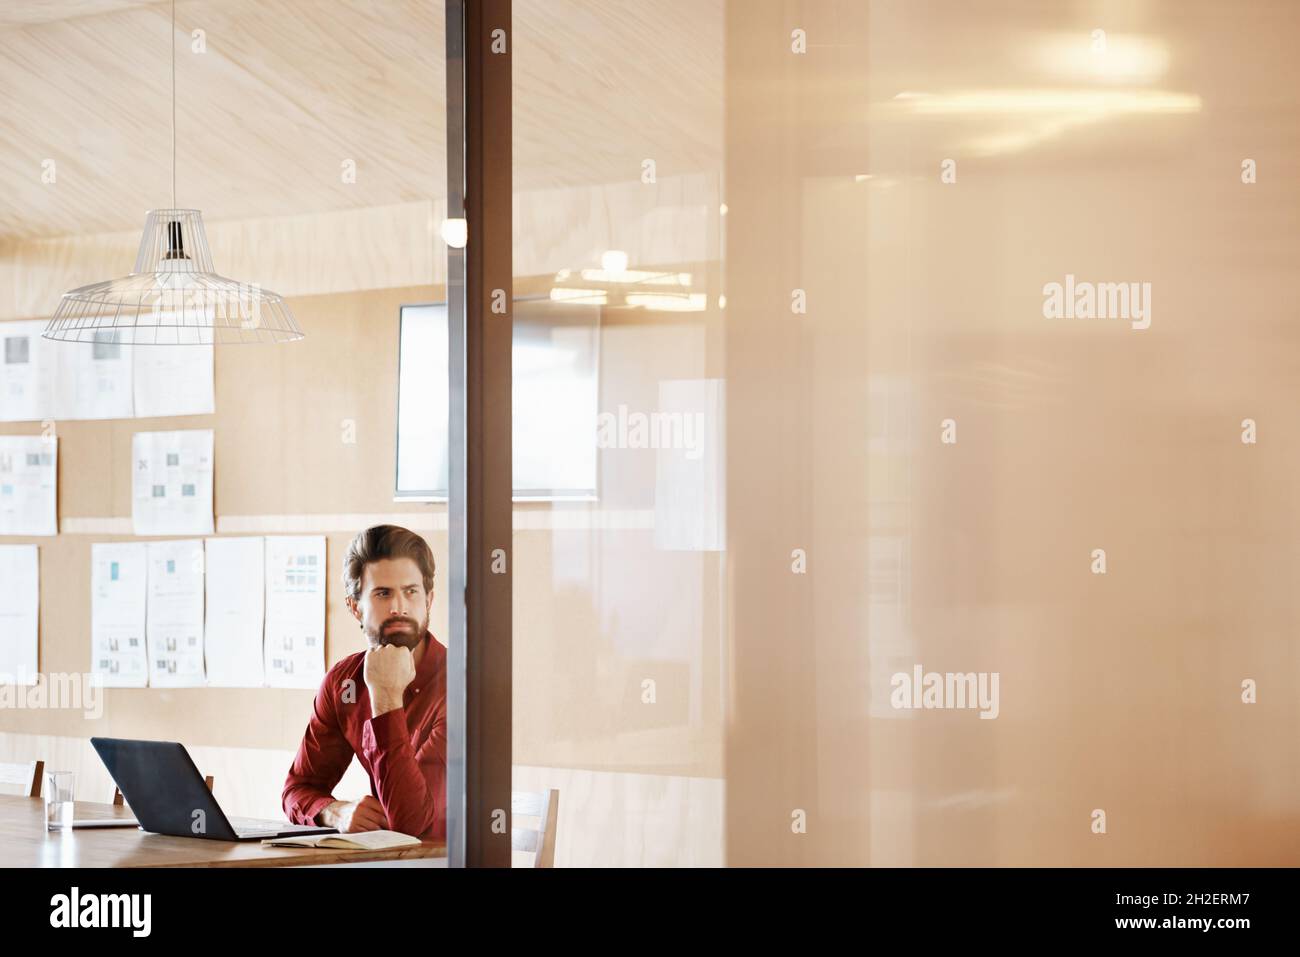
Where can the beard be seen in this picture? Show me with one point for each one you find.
(406, 632)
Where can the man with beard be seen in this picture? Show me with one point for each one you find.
(386, 705)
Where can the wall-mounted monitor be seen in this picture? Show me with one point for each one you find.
(556, 363)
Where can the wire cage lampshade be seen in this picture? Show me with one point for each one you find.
(173, 296)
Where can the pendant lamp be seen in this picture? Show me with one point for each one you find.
(173, 296)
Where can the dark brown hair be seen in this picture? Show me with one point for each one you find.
(378, 543)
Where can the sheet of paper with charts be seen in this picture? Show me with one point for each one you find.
(232, 631)
(27, 366)
(119, 593)
(175, 380)
(19, 614)
(102, 379)
(93, 380)
(295, 611)
(172, 482)
(174, 615)
(28, 476)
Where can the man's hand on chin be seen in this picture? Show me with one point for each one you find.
(388, 670)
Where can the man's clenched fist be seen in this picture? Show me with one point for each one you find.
(388, 670)
(366, 814)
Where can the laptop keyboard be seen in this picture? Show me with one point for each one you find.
(281, 827)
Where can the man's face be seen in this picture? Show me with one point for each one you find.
(393, 607)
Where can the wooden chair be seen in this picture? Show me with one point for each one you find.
(539, 841)
(119, 801)
(25, 775)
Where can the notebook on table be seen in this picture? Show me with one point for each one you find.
(358, 841)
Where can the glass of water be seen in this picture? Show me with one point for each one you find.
(58, 800)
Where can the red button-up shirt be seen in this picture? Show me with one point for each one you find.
(404, 751)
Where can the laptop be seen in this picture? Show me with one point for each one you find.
(168, 795)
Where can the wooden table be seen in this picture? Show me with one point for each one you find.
(24, 842)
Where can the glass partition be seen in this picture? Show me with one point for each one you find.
(944, 357)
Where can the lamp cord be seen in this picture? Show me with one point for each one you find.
(172, 44)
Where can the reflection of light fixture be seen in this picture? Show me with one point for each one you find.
(695, 302)
(573, 294)
(637, 276)
(455, 232)
(615, 287)
(1099, 103)
(1125, 58)
(1033, 116)
(613, 260)
(173, 296)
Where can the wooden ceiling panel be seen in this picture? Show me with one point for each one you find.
(287, 91)
(22, 12)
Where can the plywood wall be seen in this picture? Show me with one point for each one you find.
(282, 467)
